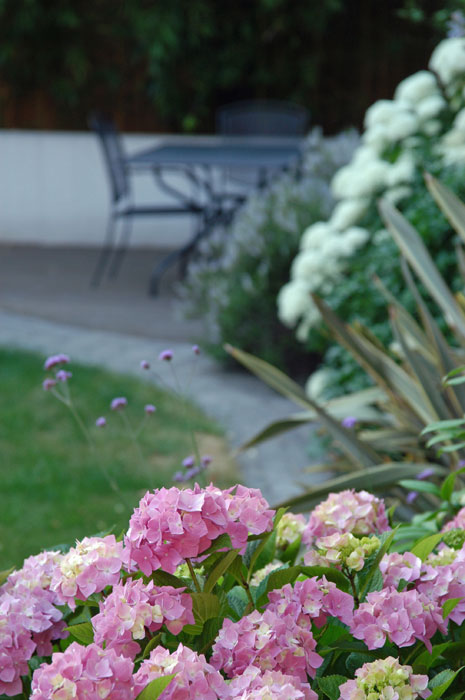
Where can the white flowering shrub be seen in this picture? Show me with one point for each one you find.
(234, 281)
(421, 128)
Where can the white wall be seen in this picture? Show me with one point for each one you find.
(54, 191)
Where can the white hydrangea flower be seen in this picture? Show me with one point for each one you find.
(315, 234)
(381, 235)
(448, 59)
(353, 239)
(375, 137)
(380, 113)
(348, 212)
(293, 300)
(402, 125)
(416, 88)
(432, 127)
(397, 194)
(430, 107)
(354, 181)
(402, 171)
(318, 382)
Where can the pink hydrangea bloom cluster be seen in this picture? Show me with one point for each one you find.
(385, 679)
(270, 642)
(403, 617)
(84, 673)
(195, 678)
(254, 684)
(29, 620)
(356, 512)
(87, 568)
(312, 599)
(395, 567)
(135, 607)
(171, 525)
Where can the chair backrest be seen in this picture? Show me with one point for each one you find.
(113, 153)
(262, 118)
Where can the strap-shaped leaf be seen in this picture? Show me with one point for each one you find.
(451, 206)
(390, 376)
(155, 688)
(413, 248)
(353, 448)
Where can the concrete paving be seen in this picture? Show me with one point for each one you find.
(46, 305)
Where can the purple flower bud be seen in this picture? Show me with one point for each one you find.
(48, 384)
(349, 422)
(206, 460)
(101, 422)
(55, 360)
(461, 464)
(196, 350)
(411, 496)
(149, 409)
(118, 403)
(144, 364)
(62, 375)
(188, 462)
(166, 355)
(425, 474)
(190, 473)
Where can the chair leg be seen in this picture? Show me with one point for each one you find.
(104, 253)
(122, 248)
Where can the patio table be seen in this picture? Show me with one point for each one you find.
(198, 161)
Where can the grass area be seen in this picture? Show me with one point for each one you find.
(52, 484)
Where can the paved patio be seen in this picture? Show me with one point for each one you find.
(47, 305)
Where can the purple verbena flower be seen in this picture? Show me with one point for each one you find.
(166, 355)
(48, 384)
(349, 422)
(188, 462)
(144, 364)
(196, 350)
(411, 496)
(118, 403)
(55, 360)
(62, 375)
(101, 422)
(190, 473)
(205, 460)
(425, 474)
(149, 409)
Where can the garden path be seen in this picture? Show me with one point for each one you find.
(51, 317)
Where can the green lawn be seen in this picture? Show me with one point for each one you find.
(52, 486)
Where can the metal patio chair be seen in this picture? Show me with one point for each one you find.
(122, 204)
(260, 118)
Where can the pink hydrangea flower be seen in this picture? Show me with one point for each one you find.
(385, 679)
(314, 598)
(55, 360)
(403, 617)
(195, 678)
(268, 641)
(355, 512)
(171, 525)
(255, 684)
(395, 567)
(84, 673)
(457, 523)
(29, 620)
(87, 568)
(133, 608)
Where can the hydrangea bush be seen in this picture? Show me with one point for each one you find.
(185, 604)
(421, 128)
(234, 281)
